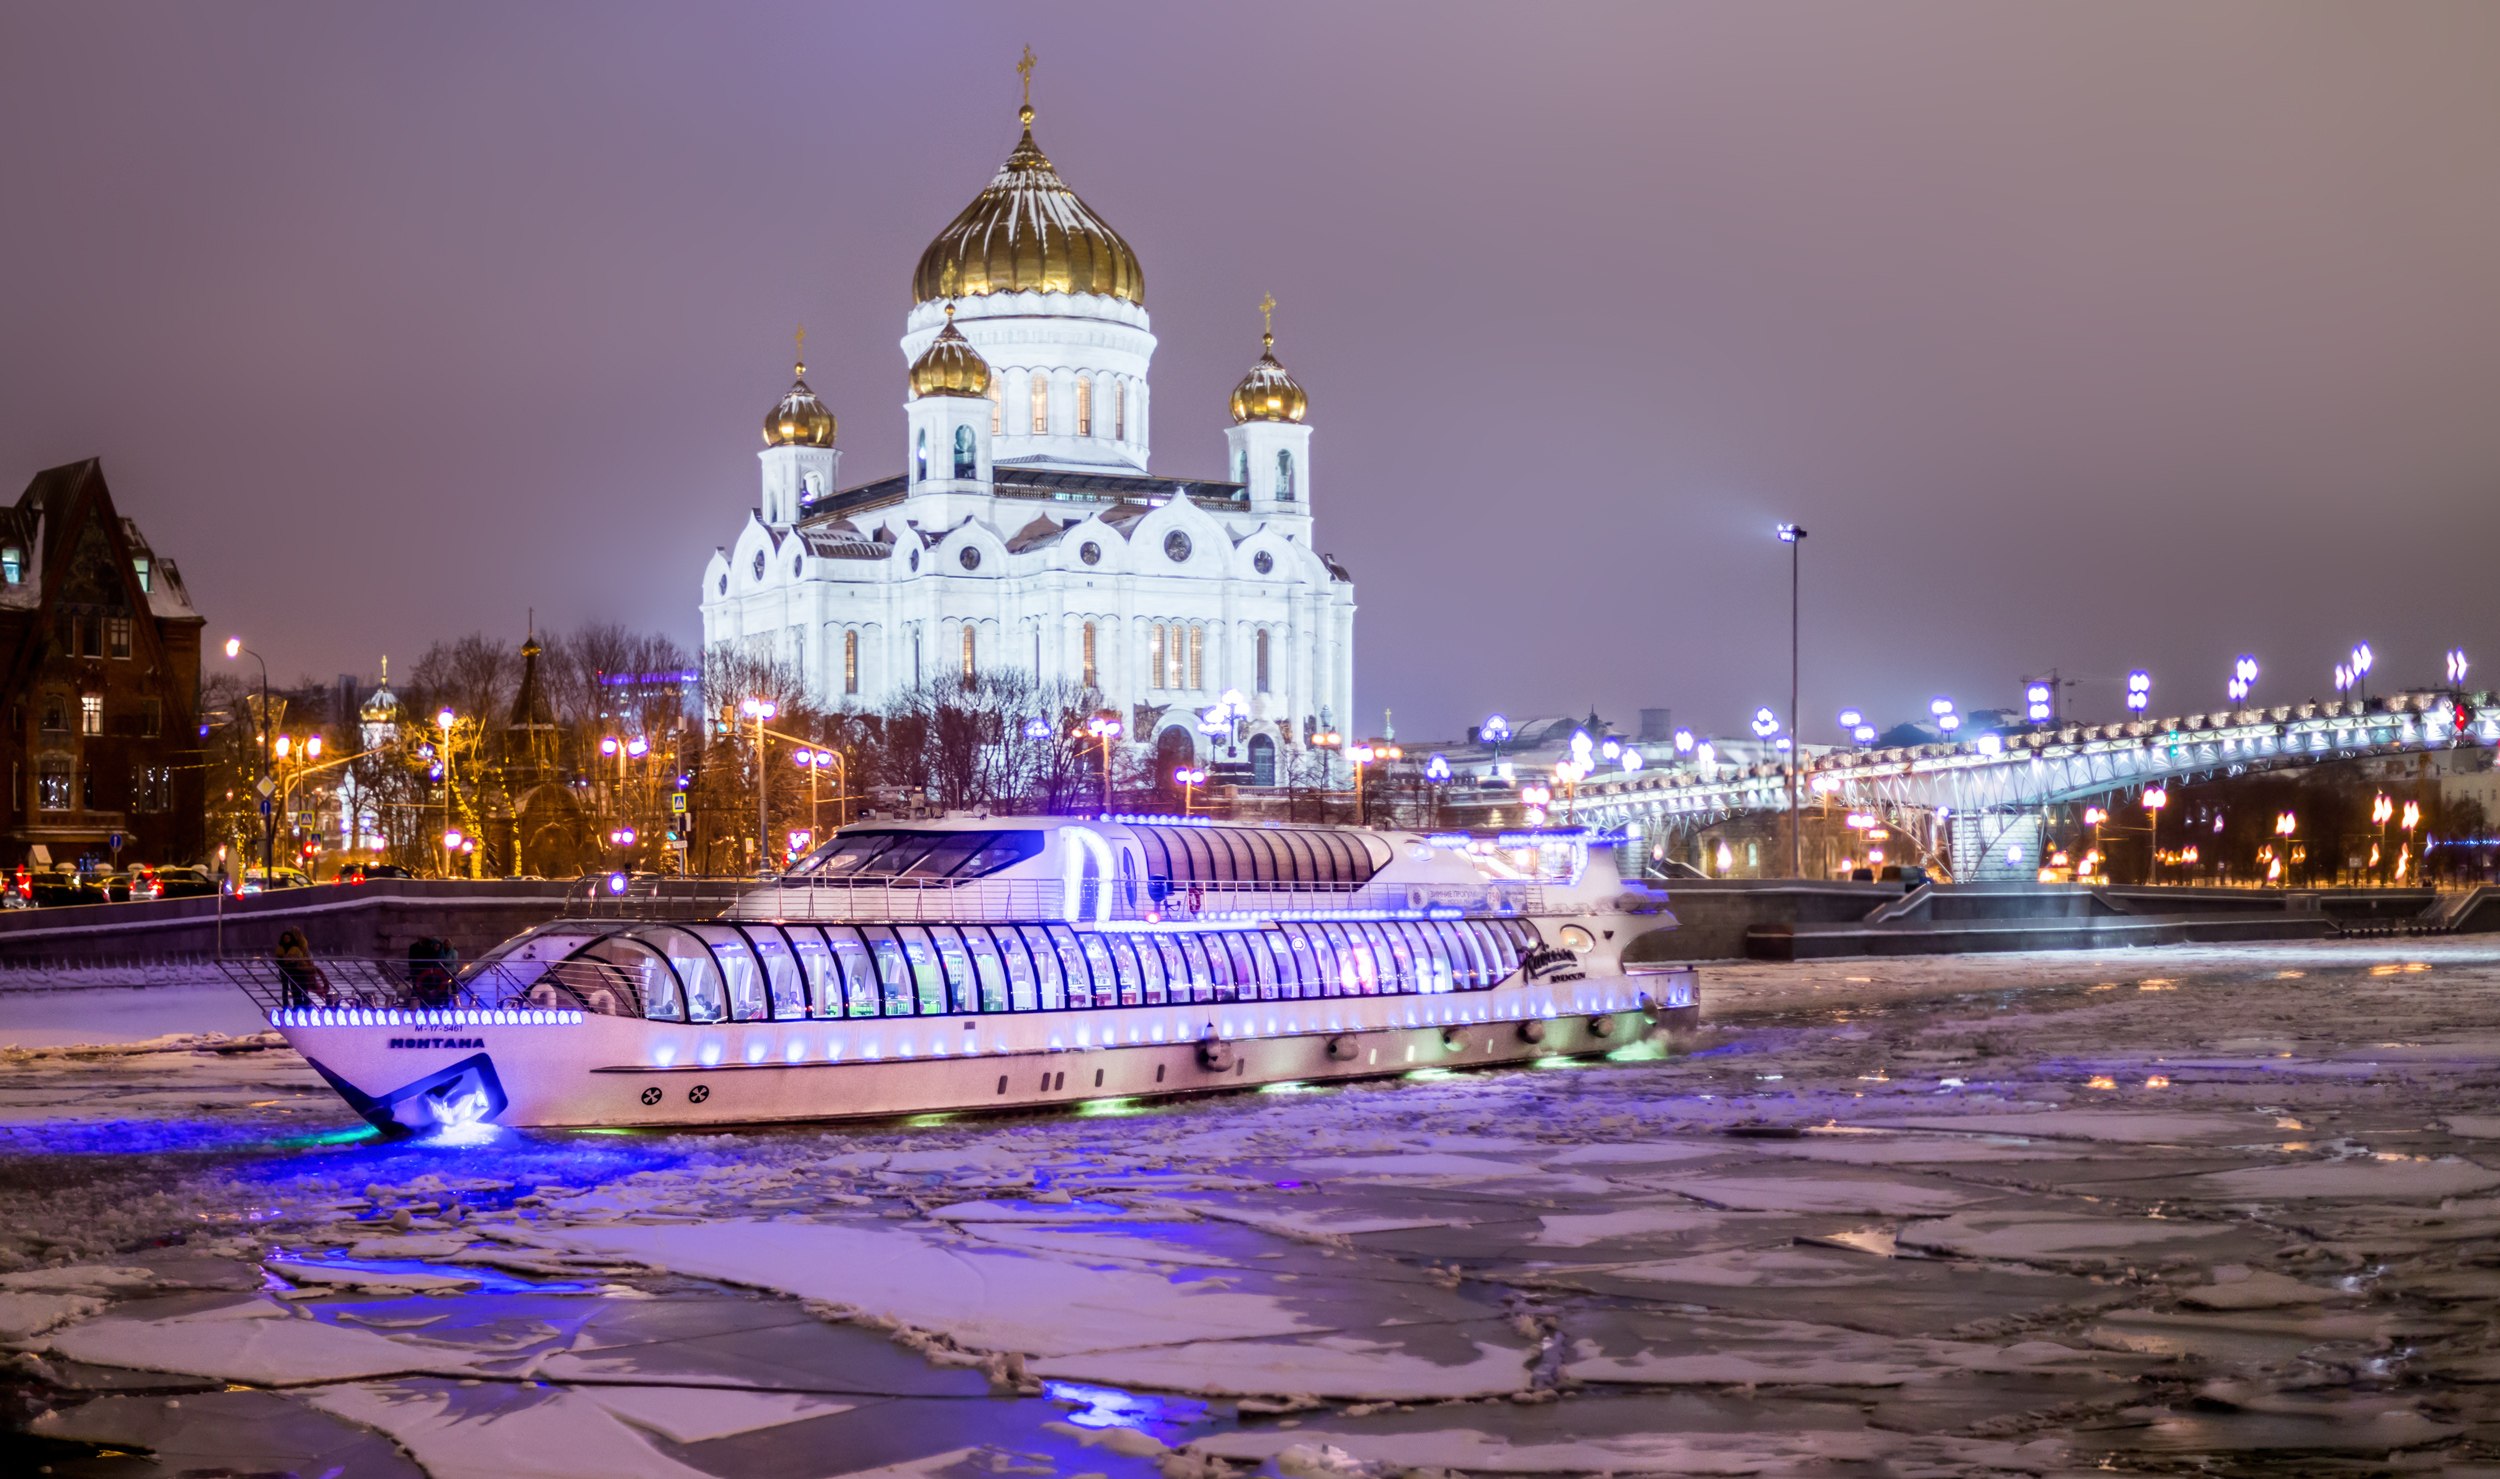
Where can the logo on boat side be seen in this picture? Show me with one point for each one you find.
(1548, 963)
(437, 1042)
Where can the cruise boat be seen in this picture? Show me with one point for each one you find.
(907, 968)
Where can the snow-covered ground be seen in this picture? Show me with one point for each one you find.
(2200, 1209)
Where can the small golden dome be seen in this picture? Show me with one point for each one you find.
(1028, 233)
(1268, 392)
(950, 365)
(799, 419)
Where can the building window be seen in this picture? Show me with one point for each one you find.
(91, 713)
(52, 783)
(141, 566)
(1241, 467)
(1284, 475)
(920, 457)
(998, 406)
(12, 565)
(55, 714)
(117, 636)
(968, 654)
(1088, 645)
(1197, 656)
(965, 462)
(1154, 655)
(1119, 412)
(152, 717)
(850, 662)
(1041, 406)
(1261, 644)
(1085, 405)
(154, 789)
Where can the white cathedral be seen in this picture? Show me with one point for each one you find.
(1026, 530)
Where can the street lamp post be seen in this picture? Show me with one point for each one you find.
(1191, 777)
(268, 815)
(444, 719)
(1104, 728)
(761, 709)
(1795, 538)
(2155, 798)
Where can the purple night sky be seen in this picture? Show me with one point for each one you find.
(2092, 336)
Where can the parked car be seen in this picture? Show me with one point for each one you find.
(184, 883)
(135, 882)
(367, 872)
(1908, 875)
(256, 880)
(48, 887)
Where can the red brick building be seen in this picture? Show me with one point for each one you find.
(99, 683)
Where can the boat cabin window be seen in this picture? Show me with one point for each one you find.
(722, 972)
(916, 855)
(646, 971)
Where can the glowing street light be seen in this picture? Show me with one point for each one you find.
(2139, 692)
(1104, 728)
(1190, 777)
(2036, 703)
(2456, 667)
(2155, 798)
(1684, 742)
(2243, 678)
(1765, 723)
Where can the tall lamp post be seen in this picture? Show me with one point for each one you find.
(761, 709)
(444, 719)
(268, 814)
(1795, 538)
(1104, 728)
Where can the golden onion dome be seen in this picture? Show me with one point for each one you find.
(1028, 233)
(1268, 392)
(799, 419)
(950, 365)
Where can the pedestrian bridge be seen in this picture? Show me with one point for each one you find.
(2049, 766)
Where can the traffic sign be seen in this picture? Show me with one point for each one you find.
(265, 786)
(677, 801)
(264, 806)
(114, 842)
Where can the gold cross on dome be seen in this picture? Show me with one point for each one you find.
(1024, 69)
(802, 343)
(1267, 314)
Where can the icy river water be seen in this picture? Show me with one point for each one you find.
(2172, 1211)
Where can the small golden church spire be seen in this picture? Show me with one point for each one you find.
(802, 352)
(1267, 320)
(1024, 69)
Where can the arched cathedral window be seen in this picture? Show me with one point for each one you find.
(1261, 644)
(920, 458)
(1088, 654)
(1084, 405)
(968, 640)
(1119, 411)
(1241, 467)
(964, 463)
(850, 662)
(1284, 475)
(998, 405)
(1041, 406)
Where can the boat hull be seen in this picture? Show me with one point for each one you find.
(411, 1072)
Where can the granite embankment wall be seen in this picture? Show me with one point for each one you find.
(372, 919)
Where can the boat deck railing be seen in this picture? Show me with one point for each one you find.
(345, 983)
(938, 900)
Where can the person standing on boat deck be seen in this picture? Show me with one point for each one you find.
(297, 975)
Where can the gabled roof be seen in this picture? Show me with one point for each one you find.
(1071, 486)
(1043, 532)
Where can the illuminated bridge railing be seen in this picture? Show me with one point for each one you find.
(2049, 766)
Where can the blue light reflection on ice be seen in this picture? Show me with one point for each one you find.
(1110, 1407)
(489, 1280)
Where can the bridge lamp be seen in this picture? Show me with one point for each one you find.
(2155, 798)
(1494, 730)
(1990, 744)
(2456, 667)
(1631, 759)
(1437, 768)
(1684, 742)
(2036, 702)
(1864, 734)
(1706, 753)
(2412, 816)
(2093, 816)
(1611, 749)
(1765, 723)
(1949, 721)
(2362, 661)
(1940, 707)
(2139, 691)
